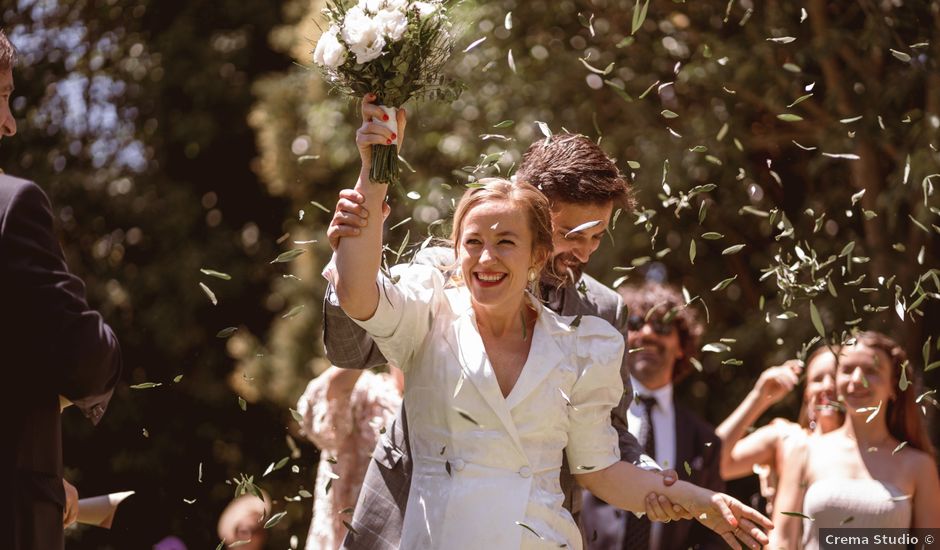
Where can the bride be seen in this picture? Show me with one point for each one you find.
(497, 386)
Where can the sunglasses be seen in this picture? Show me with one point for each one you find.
(635, 323)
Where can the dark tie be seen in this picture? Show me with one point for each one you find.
(638, 529)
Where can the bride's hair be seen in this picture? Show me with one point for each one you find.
(521, 196)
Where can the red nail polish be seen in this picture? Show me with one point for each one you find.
(388, 142)
(384, 117)
(394, 136)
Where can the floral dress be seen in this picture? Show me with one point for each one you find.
(345, 429)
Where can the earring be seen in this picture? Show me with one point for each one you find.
(532, 275)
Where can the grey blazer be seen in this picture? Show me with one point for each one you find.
(377, 518)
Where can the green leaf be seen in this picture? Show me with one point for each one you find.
(639, 16)
(242, 404)
(288, 256)
(146, 385)
(177, 378)
(275, 519)
(299, 418)
(466, 416)
(692, 252)
(799, 100)
(531, 530)
(209, 293)
(732, 249)
(789, 117)
(712, 236)
(293, 312)
(817, 321)
(723, 284)
(504, 124)
(226, 332)
(900, 55)
(321, 207)
(688, 469)
(216, 274)
(797, 515)
(666, 113)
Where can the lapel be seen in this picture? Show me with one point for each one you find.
(465, 342)
(544, 355)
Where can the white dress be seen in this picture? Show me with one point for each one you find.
(854, 503)
(486, 468)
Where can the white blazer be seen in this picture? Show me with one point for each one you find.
(486, 468)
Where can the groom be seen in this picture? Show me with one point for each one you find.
(52, 345)
(584, 186)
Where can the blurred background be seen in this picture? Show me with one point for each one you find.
(175, 137)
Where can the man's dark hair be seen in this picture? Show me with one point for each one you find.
(653, 300)
(7, 53)
(572, 168)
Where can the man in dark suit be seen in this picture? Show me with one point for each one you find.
(663, 335)
(54, 351)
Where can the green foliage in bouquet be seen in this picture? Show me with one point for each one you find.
(396, 49)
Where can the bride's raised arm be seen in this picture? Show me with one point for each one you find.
(358, 258)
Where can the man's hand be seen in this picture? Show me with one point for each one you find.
(660, 508)
(734, 521)
(349, 216)
(70, 513)
(776, 382)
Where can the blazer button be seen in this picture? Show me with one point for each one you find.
(459, 464)
(525, 471)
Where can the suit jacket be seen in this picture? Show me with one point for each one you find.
(696, 443)
(52, 344)
(377, 518)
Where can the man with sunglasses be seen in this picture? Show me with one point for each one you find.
(662, 338)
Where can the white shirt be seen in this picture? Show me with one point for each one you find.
(663, 416)
(486, 467)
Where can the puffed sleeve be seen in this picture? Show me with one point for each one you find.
(407, 304)
(592, 440)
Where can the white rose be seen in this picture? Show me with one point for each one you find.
(362, 35)
(400, 5)
(330, 52)
(392, 23)
(425, 8)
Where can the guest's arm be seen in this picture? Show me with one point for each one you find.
(738, 456)
(926, 492)
(788, 528)
(81, 357)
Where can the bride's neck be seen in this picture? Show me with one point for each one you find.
(505, 319)
(867, 434)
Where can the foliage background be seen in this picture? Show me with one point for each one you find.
(178, 137)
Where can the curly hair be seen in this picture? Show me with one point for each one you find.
(666, 301)
(7, 53)
(572, 168)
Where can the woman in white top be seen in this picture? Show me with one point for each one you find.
(878, 469)
(765, 451)
(497, 386)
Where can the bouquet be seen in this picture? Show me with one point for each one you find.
(396, 49)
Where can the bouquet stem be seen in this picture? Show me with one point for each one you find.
(385, 169)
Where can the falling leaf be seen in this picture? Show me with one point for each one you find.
(815, 318)
(688, 469)
(546, 131)
(583, 227)
(639, 15)
(299, 418)
(900, 446)
(533, 531)
(712, 236)
(511, 61)
(723, 284)
(146, 385)
(504, 124)
(692, 252)
(226, 332)
(288, 256)
(177, 378)
(789, 117)
(507, 22)
(666, 113)
(732, 249)
(799, 100)
(242, 404)
(350, 527)
(782, 39)
(900, 55)
(466, 416)
(321, 207)
(293, 312)
(275, 519)
(209, 293)
(474, 44)
(848, 156)
(797, 515)
(216, 274)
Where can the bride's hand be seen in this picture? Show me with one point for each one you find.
(372, 133)
(731, 519)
